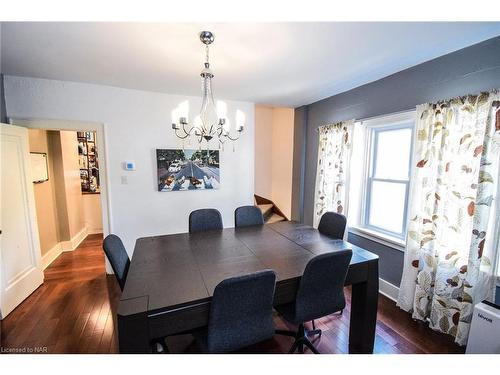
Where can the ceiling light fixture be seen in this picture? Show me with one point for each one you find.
(212, 121)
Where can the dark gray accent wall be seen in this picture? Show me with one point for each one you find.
(3, 111)
(299, 159)
(470, 70)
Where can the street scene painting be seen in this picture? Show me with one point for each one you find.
(180, 170)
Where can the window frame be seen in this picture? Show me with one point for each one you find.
(373, 128)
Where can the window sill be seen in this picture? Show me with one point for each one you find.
(380, 238)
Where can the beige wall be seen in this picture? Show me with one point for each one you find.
(274, 129)
(71, 170)
(92, 213)
(56, 161)
(46, 210)
(263, 151)
(282, 159)
(63, 211)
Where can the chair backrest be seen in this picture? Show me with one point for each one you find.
(241, 312)
(321, 288)
(118, 257)
(332, 224)
(248, 215)
(205, 219)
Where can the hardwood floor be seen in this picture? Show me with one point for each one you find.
(74, 312)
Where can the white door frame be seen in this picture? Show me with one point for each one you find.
(100, 129)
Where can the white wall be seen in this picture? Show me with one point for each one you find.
(135, 124)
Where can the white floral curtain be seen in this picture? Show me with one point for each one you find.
(451, 244)
(332, 173)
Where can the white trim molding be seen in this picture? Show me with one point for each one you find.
(51, 255)
(73, 243)
(94, 231)
(62, 246)
(389, 290)
(385, 240)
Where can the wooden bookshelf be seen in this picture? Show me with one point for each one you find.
(89, 162)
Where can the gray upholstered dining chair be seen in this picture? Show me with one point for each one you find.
(320, 293)
(120, 262)
(240, 313)
(248, 215)
(205, 219)
(333, 225)
(118, 257)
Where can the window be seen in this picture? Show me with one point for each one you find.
(387, 176)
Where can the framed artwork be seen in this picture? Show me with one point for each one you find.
(180, 170)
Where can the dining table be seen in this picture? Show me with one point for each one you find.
(171, 278)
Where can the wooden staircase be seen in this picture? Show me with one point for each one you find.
(271, 213)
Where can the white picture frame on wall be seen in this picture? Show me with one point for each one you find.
(39, 167)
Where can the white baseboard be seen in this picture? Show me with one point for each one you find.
(75, 241)
(94, 231)
(389, 290)
(51, 255)
(70, 245)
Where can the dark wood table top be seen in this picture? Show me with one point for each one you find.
(172, 271)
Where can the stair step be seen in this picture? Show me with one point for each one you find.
(265, 208)
(274, 218)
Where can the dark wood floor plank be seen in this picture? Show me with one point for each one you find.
(74, 311)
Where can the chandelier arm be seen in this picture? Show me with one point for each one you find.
(182, 136)
(211, 130)
(231, 138)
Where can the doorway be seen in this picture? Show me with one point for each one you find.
(66, 185)
(92, 135)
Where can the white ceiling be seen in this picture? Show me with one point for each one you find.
(286, 64)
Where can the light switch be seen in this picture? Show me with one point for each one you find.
(124, 180)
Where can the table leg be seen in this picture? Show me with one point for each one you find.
(133, 329)
(364, 303)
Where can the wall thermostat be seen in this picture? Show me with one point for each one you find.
(129, 166)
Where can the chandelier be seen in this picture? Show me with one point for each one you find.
(212, 121)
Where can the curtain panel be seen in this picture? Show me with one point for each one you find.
(451, 243)
(332, 173)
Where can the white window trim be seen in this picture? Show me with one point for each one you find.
(381, 238)
(358, 227)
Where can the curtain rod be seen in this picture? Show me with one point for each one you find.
(375, 117)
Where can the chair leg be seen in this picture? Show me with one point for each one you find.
(300, 335)
(160, 347)
(311, 346)
(301, 338)
(314, 332)
(294, 347)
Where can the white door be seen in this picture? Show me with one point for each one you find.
(21, 271)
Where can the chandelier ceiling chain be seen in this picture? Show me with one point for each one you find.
(212, 120)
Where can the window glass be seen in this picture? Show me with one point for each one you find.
(392, 154)
(387, 205)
